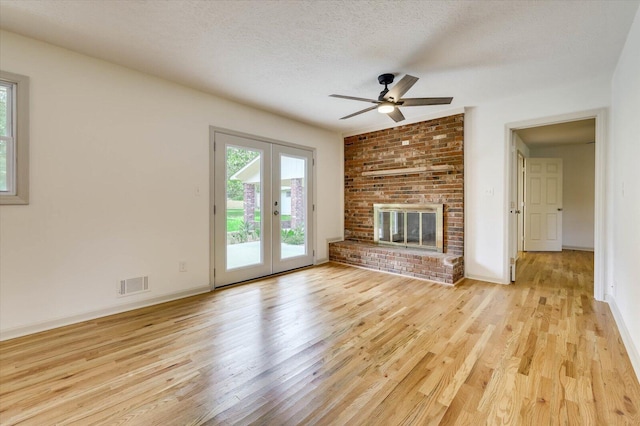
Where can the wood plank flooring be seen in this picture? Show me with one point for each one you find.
(338, 345)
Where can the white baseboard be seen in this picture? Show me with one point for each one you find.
(632, 350)
(577, 248)
(486, 279)
(12, 333)
(321, 261)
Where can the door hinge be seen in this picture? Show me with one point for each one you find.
(313, 207)
(214, 209)
(214, 272)
(313, 161)
(314, 253)
(214, 146)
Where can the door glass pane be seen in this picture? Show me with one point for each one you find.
(293, 206)
(243, 202)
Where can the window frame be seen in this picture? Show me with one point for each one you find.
(18, 146)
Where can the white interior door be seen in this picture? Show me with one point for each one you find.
(262, 209)
(543, 205)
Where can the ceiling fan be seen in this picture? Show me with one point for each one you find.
(390, 99)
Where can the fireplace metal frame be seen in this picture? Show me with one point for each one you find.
(411, 208)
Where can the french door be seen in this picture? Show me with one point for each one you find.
(262, 208)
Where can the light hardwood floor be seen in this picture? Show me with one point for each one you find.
(338, 345)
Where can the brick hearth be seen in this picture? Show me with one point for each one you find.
(418, 263)
(420, 163)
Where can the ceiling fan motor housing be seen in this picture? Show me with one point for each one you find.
(385, 79)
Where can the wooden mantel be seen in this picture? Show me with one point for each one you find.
(408, 170)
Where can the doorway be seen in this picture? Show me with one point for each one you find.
(517, 150)
(262, 208)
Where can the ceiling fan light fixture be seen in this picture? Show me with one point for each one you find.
(386, 108)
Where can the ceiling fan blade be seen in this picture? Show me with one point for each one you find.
(396, 115)
(425, 101)
(359, 112)
(401, 87)
(353, 98)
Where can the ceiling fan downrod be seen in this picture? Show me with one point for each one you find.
(385, 79)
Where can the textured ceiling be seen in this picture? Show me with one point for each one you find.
(288, 56)
(571, 133)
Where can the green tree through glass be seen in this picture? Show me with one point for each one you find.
(236, 159)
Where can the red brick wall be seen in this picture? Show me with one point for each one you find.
(436, 142)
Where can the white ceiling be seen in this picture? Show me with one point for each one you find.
(571, 133)
(288, 56)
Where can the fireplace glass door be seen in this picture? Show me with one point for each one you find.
(410, 225)
(429, 229)
(413, 228)
(392, 229)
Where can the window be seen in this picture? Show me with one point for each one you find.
(14, 138)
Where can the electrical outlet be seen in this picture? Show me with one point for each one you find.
(182, 266)
(405, 143)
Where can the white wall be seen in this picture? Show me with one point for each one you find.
(578, 183)
(116, 157)
(486, 173)
(624, 192)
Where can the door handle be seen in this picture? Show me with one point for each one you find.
(276, 212)
(559, 210)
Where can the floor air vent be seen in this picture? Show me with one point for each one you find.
(133, 285)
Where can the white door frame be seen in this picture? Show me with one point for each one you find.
(600, 115)
(520, 201)
(212, 131)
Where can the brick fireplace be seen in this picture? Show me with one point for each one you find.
(420, 163)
